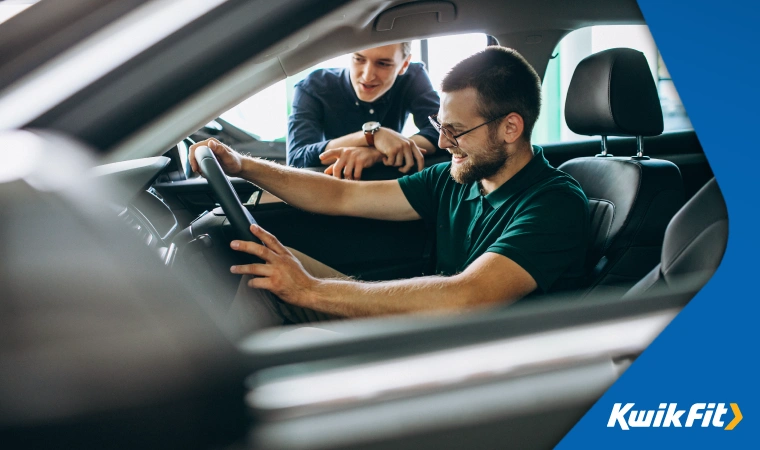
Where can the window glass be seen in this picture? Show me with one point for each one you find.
(442, 54)
(551, 126)
(265, 115)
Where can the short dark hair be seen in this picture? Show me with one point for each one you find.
(505, 83)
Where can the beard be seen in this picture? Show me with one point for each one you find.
(486, 164)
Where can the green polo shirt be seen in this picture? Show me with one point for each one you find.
(539, 219)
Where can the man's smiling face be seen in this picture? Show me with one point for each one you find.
(480, 154)
(373, 71)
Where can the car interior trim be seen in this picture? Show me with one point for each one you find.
(512, 357)
(516, 410)
(30, 41)
(93, 58)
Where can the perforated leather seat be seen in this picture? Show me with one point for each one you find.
(631, 199)
(695, 241)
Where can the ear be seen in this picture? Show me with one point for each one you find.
(513, 126)
(405, 65)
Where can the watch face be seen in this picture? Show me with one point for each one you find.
(370, 126)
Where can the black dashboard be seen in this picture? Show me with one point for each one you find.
(177, 219)
(139, 206)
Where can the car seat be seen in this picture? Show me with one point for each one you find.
(631, 198)
(695, 241)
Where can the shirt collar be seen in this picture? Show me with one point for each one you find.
(474, 191)
(517, 183)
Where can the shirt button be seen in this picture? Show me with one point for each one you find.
(372, 111)
(357, 103)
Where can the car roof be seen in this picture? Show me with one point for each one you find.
(531, 27)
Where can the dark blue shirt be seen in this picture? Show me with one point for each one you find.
(325, 107)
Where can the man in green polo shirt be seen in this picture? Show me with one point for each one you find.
(507, 223)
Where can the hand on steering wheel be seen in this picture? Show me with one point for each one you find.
(204, 160)
(230, 161)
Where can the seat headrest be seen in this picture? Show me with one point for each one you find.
(612, 93)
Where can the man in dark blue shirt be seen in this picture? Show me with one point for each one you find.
(351, 119)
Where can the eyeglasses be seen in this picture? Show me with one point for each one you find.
(449, 135)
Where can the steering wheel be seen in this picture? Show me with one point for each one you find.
(240, 218)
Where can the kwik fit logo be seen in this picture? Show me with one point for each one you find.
(668, 415)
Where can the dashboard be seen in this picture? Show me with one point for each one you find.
(173, 215)
(139, 206)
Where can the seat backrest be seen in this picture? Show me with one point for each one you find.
(695, 241)
(631, 199)
(630, 203)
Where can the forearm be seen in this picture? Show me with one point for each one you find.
(423, 142)
(310, 191)
(360, 299)
(356, 139)
(359, 140)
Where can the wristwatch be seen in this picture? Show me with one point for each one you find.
(369, 130)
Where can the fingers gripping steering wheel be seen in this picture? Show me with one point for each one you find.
(240, 218)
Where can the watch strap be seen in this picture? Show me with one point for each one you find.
(370, 137)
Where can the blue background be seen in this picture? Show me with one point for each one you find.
(708, 353)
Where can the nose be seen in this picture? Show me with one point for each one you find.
(443, 142)
(368, 73)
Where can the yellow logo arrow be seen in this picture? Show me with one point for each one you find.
(737, 417)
